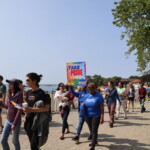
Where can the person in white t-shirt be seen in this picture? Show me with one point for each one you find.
(61, 100)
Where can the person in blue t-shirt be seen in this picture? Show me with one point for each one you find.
(148, 90)
(112, 96)
(80, 94)
(94, 106)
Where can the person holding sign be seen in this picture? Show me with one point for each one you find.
(13, 121)
(80, 95)
(94, 111)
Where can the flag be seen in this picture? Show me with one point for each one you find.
(16, 105)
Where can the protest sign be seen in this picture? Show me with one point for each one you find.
(76, 73)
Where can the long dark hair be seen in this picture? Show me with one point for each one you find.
(35, 77)
(67, 87)
(60, 85)
(16, 89)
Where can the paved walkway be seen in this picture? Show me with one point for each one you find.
(130, 134)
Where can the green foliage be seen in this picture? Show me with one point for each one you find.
(89, 78)
(146, 77)
(98, 79)
(134, 77)
(116, 79)
(134, 17)
(101, 80)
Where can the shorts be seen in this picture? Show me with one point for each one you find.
(131, 99)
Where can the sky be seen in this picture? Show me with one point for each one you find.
(43, 35)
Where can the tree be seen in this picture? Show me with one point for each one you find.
(98, 79)
(116, 79)
(106, 80)
(146, 78)
(134, 77)
(134, 17)
(89, 78)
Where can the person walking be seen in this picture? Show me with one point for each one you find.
(33, 96)
(122, 93)
(131, 96)
(2, 99)
(94, 108)
(61, 100)
(148, 90)
(142, 95)
(13, 121)
(80, 95)
(111, 97)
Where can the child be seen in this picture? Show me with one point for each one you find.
(64, 104)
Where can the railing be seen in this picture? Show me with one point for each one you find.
(54, 103)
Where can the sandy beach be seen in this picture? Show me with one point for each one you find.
(130, 134)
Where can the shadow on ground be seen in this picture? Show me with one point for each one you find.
(123, 144)
(118, 143)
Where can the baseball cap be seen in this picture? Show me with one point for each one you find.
(1, 77)
(15, 81)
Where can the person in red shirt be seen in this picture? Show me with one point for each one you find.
(142, 94)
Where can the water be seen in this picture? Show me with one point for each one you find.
(45, 87)
(48, 87)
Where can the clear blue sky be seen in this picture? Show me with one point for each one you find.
(43, 35)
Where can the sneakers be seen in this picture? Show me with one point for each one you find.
(76, 138)
(111, 125)
(91, 144)
(116, 118)
(90, 137)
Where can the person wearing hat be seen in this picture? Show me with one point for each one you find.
(2, 98)
(94, 110)
(14, 101)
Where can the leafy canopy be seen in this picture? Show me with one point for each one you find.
(134, 17)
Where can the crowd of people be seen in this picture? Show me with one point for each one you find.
(35, 106)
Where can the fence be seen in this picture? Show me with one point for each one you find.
(54, 104)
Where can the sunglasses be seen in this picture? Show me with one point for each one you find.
(61, 86)
(11, 83)
(27, 80)
(91, 87)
